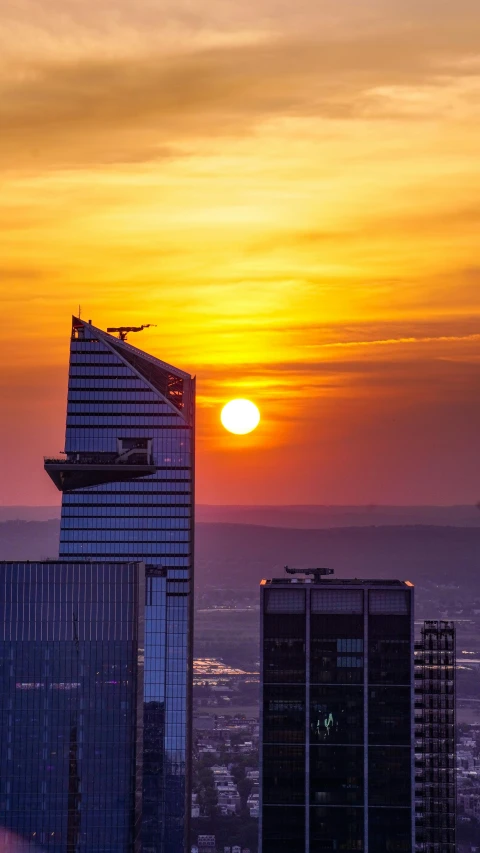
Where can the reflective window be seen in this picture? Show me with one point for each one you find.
(336, 829)
(337, 601)
(390, 831)
(389, 601)
(284, 648)
(284, 601)
(389, 659)
(336, 714)
(336, 775)
(284, 777)
(283, 829)
(329, 667)
(389, 775)
(283, 714)
(389, 715)
(336, 649)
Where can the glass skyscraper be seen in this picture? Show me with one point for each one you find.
(127, 483)
(71, 704)
(336, 761)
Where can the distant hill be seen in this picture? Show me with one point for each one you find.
(240, 555)
(29, 540)
(341, 516)
(235, 555)
(299, 516)
(29, 513)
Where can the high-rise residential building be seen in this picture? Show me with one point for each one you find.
(337, 722)
(435, 770)
(71, 704)
(127, 482)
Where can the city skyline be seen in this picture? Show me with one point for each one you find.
(240, 295)
(290, 195)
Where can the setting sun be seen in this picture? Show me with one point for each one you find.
(240, 416)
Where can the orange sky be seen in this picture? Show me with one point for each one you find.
(291, 193)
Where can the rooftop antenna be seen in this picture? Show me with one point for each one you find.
(317, 573)
(122, 331)
(79, 311)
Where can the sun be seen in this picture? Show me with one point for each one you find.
(240, 416)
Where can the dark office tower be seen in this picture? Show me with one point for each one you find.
(336, 762)
(435, 779)
(127, 482)
(71, 704)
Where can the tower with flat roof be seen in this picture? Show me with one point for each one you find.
(337, 722)
(127, 495)
(71, 704)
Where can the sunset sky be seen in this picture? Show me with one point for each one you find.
(291, 192)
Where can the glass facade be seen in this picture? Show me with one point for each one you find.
(283, 721)
(126, 409)
(71, 704)
(336, 728)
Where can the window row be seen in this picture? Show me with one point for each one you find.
(90, 345)
(98, 439)
(57, 575)
(336, 601)
(70, 510)
(135, 551)
(122, 419)
(337, 715)
(293, 600)
(143, 485)
(103, 522)
(144, 395)
(163, 415)
(91, 383)
(115, 371)
(121, 498)
(109, 532)
(105, 357)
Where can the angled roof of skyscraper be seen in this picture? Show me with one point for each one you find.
(172, 383)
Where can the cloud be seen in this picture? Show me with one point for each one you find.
(125, 109)
(457, 353)
(426, 221)
(155, 23)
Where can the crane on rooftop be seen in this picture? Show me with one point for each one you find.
(123, 331)
(317, 572)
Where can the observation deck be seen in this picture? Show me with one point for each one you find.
(80, 470)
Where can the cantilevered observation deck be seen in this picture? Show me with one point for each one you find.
(79, 470)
